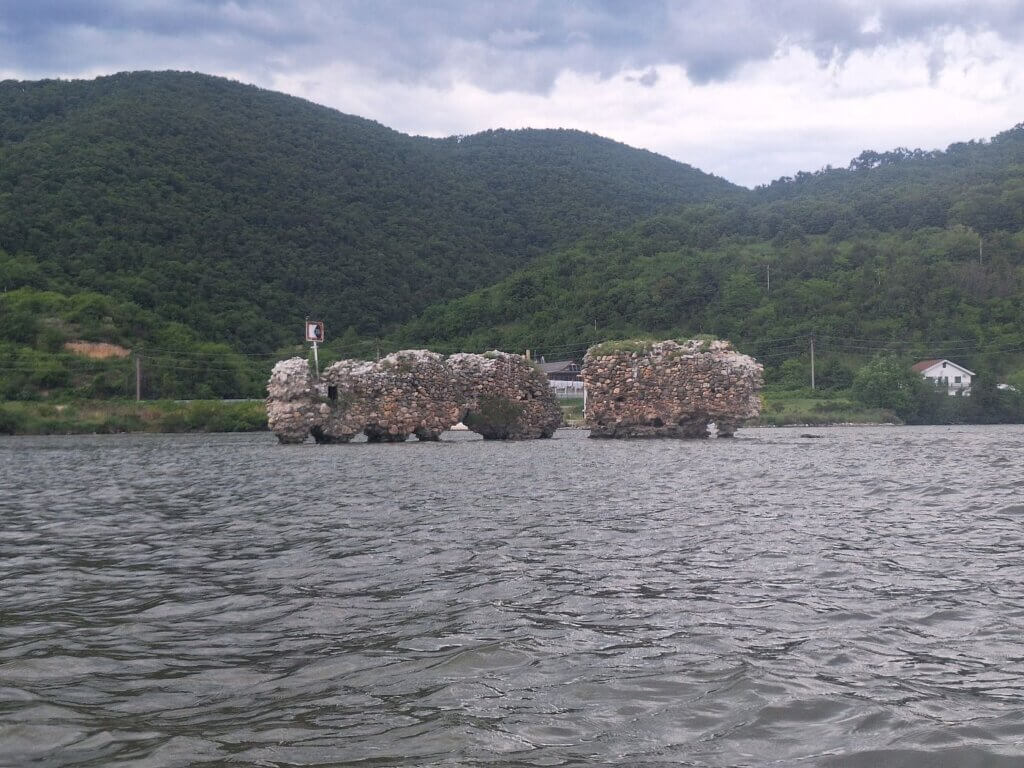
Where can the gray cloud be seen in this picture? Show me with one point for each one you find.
(496, 45)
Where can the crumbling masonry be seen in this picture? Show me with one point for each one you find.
(669, 389)
(412, 392)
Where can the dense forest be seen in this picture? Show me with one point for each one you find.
(910, 253)
(196, 221)
(235, 210)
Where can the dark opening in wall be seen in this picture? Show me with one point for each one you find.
(332, 392)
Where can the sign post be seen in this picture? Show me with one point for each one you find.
(315, 334)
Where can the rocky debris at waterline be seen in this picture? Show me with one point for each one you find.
(669, 389)
(506, 397)
(412, 392)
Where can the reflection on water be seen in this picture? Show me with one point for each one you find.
(855, 600)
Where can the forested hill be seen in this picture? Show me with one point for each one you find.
(235, 211)
(915, 253)
(974, 183)
(168, 211)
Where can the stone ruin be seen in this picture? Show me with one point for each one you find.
(293, 403)
(506, 397)
(669, 389)
(412, 392)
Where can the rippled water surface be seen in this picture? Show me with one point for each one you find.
(851, 600)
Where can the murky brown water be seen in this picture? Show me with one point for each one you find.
(853, 600)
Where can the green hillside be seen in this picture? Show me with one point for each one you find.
(235, 211)
(920, 254)
(195, 221)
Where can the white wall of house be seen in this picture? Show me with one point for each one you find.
(950, 375)
(566, 389)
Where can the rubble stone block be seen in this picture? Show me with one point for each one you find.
(412, 392)
(669, 388)
(292, 401)
(506, 397)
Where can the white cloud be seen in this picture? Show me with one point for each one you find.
(773, 118)
(747, 90)
(872, 24)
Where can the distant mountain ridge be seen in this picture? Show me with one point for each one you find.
(236, 210)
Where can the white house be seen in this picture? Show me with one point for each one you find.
(564, 377)
(946, 374)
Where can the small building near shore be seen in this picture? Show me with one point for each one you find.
(945, 374)
(561, 370)
(563, 377)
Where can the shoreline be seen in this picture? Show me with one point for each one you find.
(97, 417)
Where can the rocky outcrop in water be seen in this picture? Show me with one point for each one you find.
(506, 397)
(412, 392)
(293, 404)
(669, 389)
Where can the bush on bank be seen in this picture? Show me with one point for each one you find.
(107, 417)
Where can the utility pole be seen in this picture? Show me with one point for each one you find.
(981, 244)
(812, 361)
(768, 278)
(138, 377)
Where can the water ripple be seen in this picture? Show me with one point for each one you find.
(850, 601)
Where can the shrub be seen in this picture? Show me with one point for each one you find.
(888, 382)
(11, 422)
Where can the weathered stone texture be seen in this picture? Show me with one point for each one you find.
(412, 392)
(669, 389)
(292, 402)
(506, 397)
(346, 409)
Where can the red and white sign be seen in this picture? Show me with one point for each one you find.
(314, 330)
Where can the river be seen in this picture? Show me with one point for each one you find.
(851, 599)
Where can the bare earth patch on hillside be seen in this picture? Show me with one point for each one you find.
(97, 350)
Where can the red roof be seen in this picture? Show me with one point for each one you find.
(924, 365)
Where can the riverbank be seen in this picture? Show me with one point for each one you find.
(784, 409)
(114, 416)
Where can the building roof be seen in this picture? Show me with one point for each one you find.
(924, 365)
(559, 366)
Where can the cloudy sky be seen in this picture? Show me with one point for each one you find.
(747, 89)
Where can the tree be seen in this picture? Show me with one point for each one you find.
(888, 382)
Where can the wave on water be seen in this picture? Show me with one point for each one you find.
(187, 600)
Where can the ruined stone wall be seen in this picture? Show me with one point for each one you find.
(669, 389)
(293, 405)
(412, 392)
(506, 397)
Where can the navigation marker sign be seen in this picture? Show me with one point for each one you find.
(315, 334)
(314, 331)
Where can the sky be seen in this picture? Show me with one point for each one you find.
(750, 90)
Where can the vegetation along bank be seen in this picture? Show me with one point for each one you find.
(191, 223)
